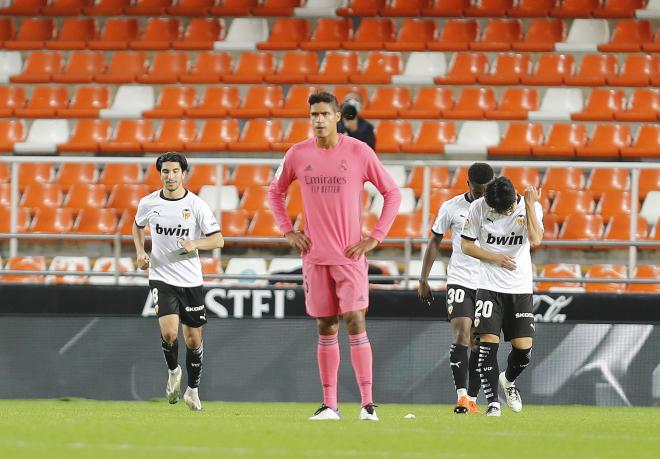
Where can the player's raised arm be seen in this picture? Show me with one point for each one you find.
(534, 215)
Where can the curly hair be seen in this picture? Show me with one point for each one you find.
(500, 194)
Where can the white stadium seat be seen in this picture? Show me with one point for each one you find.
(220, 199)
(130, 101)
(318, 8)
(585, 35)
(558, 104)
(421, 68)
(246, 266)
(44, 136)
(475, 137)
(243, 35)
(438, 269)
(10, 64)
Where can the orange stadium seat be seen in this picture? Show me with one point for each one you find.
(114, 174)
(614, 202)
(499, 35)
(645, 272)
(518, 140)
(246, 175)
(550, 70)
(32, 34)
(234, 223)
(5, 195)
(251, 67)
(19, 263)
(606, 141)
(23, 8)
(391, 134)
(628, 36)
(507, 69)
(210, 266)
(11, 131)
(446, 8)
(329, 34)
(436, 199)
(606, 271)
(294, 67)
(30, 173)
(152, 178)
(205, 174)
(541, 35)
(208, 68)
(82, 67)
(594, 70)
(608, 179)
(294, 201)
(406, 226)
(574, 8)
(336, 68)
(618, 228)
(106, 7)
(86, 136)
(438, 178)
(216, 102)
(464, 69)
(472, 104)
(459, 180)
(165, 68)
(531, 8)
(128, 137)
(618, 8)
(602, 105)
(11, 97)
(582, 227)
(403, 8)
(6, 29)
(522, 177)
(550, 227)
(486, 8)
(429, 103)
(214, 136)
(86, 102)
(258, 102)
(173, 102)
(233, 8)
(254, 199)
(40, 195)
(413, 35)
(562, 141)
(171, 136)
(124, 68)
(295, 103)
(200, 34)
(117, 34)
(52, 220)
(44, 102)
(257, 135)
(4, 173)
(378, 68)
(39, 68)
(564, 178)
(74, 34)
(96, 221)
(456, 35)
(87, 196)
(643, 105)
(263, 224)
(297, 131)
(275, 8)
(372, 34)
(191, 8)
(563, 270)
(653, 47)
(127, 195)
(515, 104)
(362, 8)
(386, 102)
(567, 202)
(147, 7)
(71, 174)
(431, 137)
(646, 144)
(637, 70)
(342, 91)
(287, 33)
(22, 222)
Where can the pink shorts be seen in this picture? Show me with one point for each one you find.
(331, 290)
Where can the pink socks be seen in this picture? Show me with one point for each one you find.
(327, 352)
(362, 359)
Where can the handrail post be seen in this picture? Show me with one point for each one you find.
(13, 210)
(116, 246)
(407, 248)
(634, 212)
(219, 179)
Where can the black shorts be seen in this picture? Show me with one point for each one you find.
(460, 301)
(186, 302)
(510, 313)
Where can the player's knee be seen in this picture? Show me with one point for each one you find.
(462, 337)
(355, 323)
(169, 336)
(327, 326)
(193, 341)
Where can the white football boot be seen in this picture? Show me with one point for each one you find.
(511, 393)
(325, 413)
(494, 410)
(368, 413)
(191, 397)
(173, 388)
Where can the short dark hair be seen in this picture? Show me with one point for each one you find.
(326, 97)
(480, 173)
(500, 194)
(172, 157)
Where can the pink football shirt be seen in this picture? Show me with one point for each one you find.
(332, 183)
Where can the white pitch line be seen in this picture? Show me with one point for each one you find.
(77, 336)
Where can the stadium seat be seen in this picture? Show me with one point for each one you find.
(7, 31)
(166, 67)
(23, 8)
(287, 33)
(106, 7)
(86, 136)
(561, 179)
(70, 174)
(127, 195)
(531, 8)
(295, 103)
(129, 135)
(39, 68)
(52, 220)
(200, 34)
(522, 177)
(406, 226)
(258, 102)
(107, 264)
(294, 201)
(87, 102)
(336, 68)
(464, 68)
(550, 70)
(550, 227)
(243, 34)
(472, 104)
(171, 136)
(32, 34)
(245, 266)
(147, 7)
(408, 202)
(19, 263)
(402, 8)
(386, 102)
(499, 35)
(637, 70)
(297, 131)
(567, 202)
(294, 67)
(216, 102)
(563, 270)
(30, 173)
(507, 69)
(341, 92)
(205, 174)
(391, 134)
(594, 70)
(618, 228)
(653, 47)
(646, 144)
(651, 11)
(518, 140)
(254, 199)
(608, 179)
(643, 105)
(487, 8)
(257, 135)
(515, 104)
(446, 8)
(251, 68)
(284, 265)
(44, 136)
(263, 224)
(87, 196)
(44, 102)
(475, 137)
(318, 8)
(329, 34)
(562, 141)
(372, 34)
(645, 272)
(190, 8)
(614, 202)
(96, 221)
(275, 8)
(82, 67)
(456, 35)
(542, 34)
(117, 34)
(220, 198)
(11, 64)
(233, 8)
(608, 271)
(651, 209)
(114, 174)
(429, 103)
(11, 97)
(421, 68)
(208, 68)
(585, 35)
(234, 223)
(210, 266)
(574, 8)
(606, 141)
(173, 102)
(361, 8)
(378, 68)
(436, 198)
(22, 222)
(124, 68)
(581, 227)
(413, 34)
(11, 132)
(74, 34)
(42, 195)
(558, 104)
(130, 101)
(246, 175)
(628, 36)
(73, 264)
(214, 136)
(618, 8)
(431, 137)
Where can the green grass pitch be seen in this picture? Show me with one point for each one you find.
(84, 428)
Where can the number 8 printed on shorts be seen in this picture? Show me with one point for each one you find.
(484, 308)
(154, 295)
